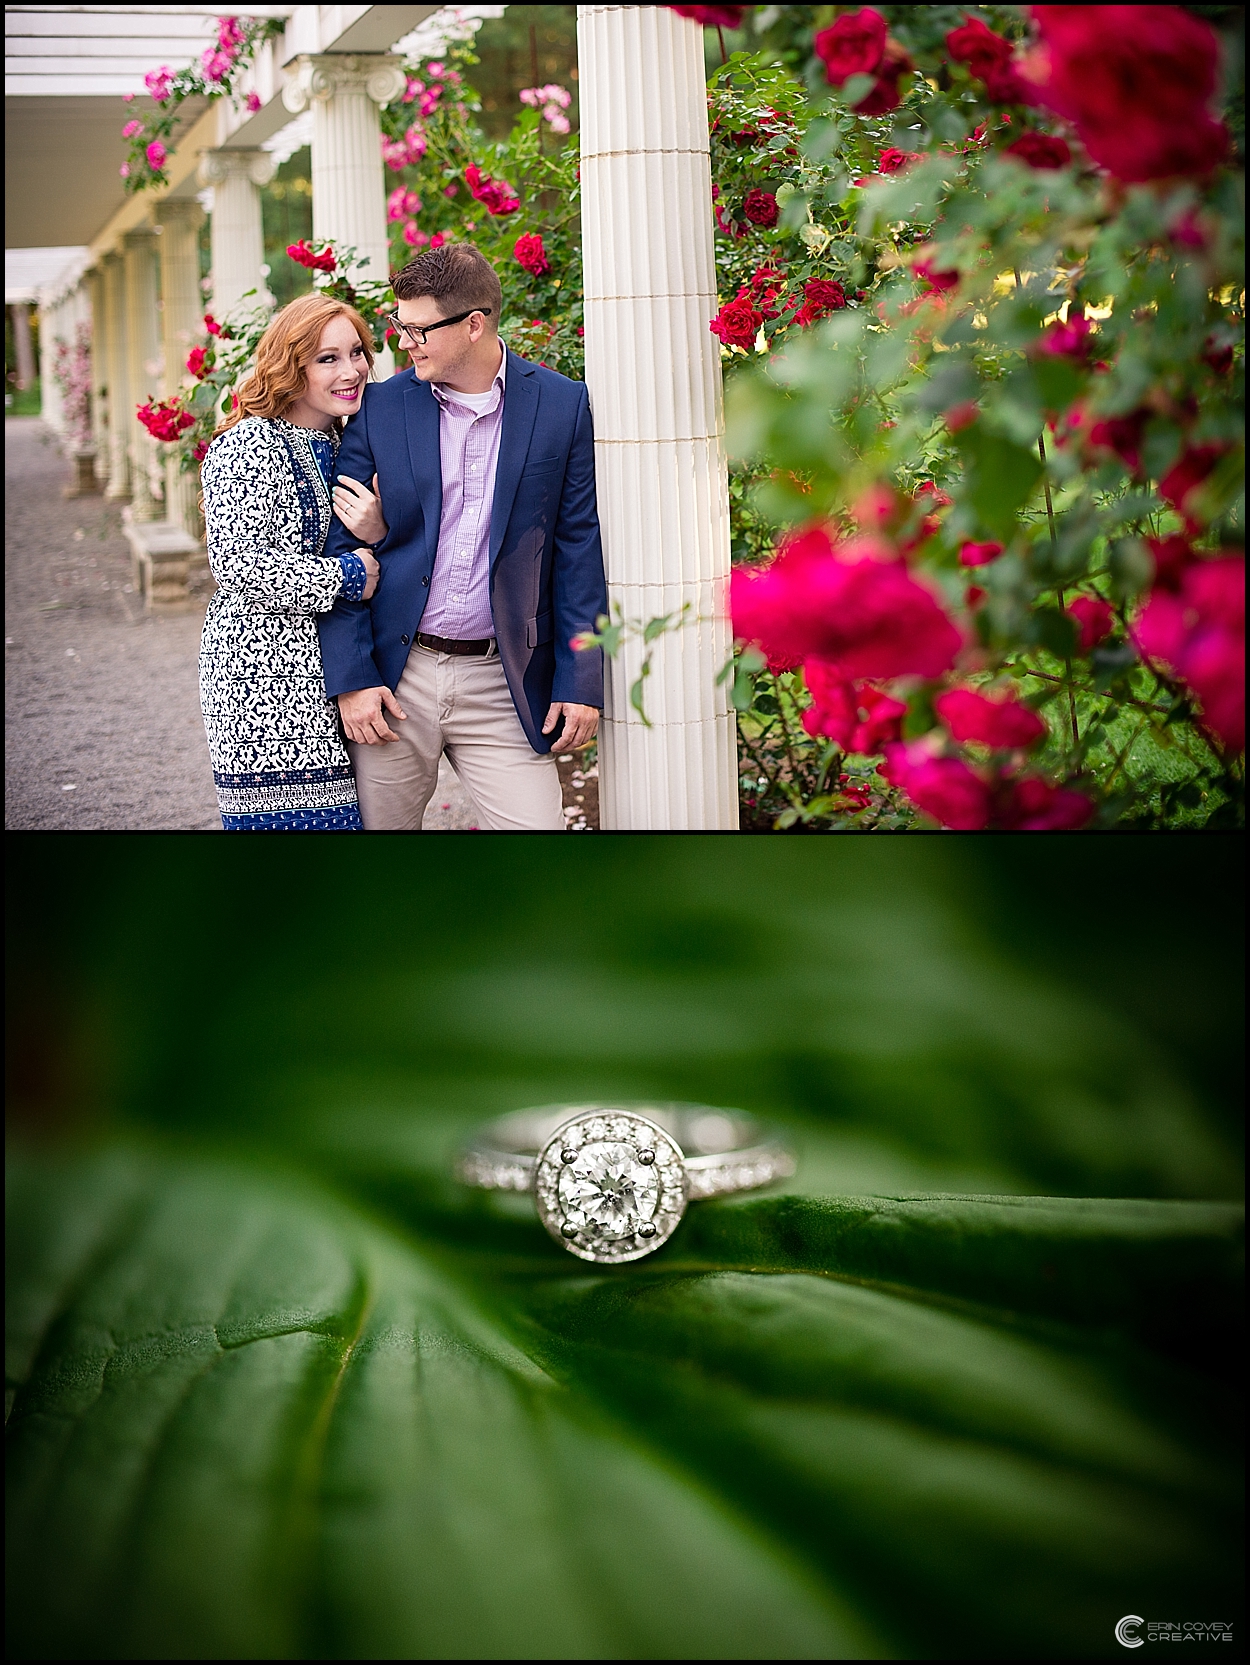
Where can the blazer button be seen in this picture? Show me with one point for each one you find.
(404, 640)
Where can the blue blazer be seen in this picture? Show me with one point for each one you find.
(546, 562)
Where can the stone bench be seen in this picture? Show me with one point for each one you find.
(162, 557)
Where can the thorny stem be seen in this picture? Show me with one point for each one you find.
(1050, 519)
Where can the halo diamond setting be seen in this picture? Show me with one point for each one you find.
(610, 1188)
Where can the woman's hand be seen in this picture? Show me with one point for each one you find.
(372, 572)
(360, 509)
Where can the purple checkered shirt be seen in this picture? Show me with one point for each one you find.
(468, 445)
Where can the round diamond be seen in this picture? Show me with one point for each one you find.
(608, 1191)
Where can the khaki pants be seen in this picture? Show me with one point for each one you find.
(460, 706)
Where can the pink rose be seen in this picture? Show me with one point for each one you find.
(943, 787)
(1004, 724)
(1200, 631)
(853, 605)
(156, 155)
(131, 128)
(1094, 620)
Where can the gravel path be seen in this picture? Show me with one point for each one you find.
(102, 714)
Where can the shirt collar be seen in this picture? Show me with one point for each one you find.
(500, 381)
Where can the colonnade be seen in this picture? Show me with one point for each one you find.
(652, 366)
(142, 294)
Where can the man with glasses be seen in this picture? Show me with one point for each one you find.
(487, 534)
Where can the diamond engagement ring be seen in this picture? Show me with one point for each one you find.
(612, 1181)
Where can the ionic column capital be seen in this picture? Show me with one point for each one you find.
(180, 211)
(316, 79)
(218, 166)
(138, 237)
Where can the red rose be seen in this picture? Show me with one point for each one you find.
(989, 58)
(737, 323)
(856, 607)
(1040, 150)
(1201, 633)
(166, 421)
(857, 44)
(979, 554)
(853, 45)
(884, 94)
(821, 296)
(1136, 82)
(943, 787)
(976, 45)
(1184, 477)
(1070, 340)
(199, 450)
(1031, 804)
(1171, 557)
(1123, 435)
(495, 195)
(1094, 619)
(196, 362)
(860, 720)
(723, 17)
(211, 324)
(894, 160)
(305, 255)
(761, 208)
(937, 281)
(1004, 724)
(530, 254)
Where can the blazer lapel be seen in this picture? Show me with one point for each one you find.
(520, 407)
(421, 422)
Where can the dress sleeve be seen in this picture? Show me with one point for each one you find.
(242, 480)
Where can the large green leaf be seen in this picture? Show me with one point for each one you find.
(252, 1418)
(280, 1387)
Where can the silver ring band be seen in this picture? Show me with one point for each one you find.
(612, 1181)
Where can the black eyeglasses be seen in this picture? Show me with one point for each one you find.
(418, 332)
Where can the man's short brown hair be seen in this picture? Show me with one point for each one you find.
(456, 277)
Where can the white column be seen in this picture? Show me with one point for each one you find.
(19, 312)
(181, 325)
(54, 326)
(653, 369)
(144, 370)
(93, 284)
(349, 190)
(115, 389)
(238, 240)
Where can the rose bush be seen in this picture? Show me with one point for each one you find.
(1036, 374)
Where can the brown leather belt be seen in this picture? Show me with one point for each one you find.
(442, 644)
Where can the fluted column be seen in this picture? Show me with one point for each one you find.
(238, 239)
(653, 370)
(349, 190)
(144, 371)
(93, 284)
(53, 326)
(181, 322)
(116, 392)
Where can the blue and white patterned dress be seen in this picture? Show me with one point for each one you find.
(279, 762)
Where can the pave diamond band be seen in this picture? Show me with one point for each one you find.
(611, 1182)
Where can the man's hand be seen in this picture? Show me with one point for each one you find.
(372, 571)
(360, 509)
(362, 716)
(580, 723)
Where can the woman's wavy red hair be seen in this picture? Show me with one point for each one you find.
(286, 349)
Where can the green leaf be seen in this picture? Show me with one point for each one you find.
(252, 1418)
(1001, 477)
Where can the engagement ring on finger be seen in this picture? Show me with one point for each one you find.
(611, 1182)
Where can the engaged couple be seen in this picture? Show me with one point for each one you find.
(401, 567)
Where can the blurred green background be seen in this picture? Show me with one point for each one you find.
(815, 1425)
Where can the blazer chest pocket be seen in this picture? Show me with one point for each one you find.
(542, 465)
(538, 630)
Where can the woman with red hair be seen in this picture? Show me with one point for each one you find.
(279, 762)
